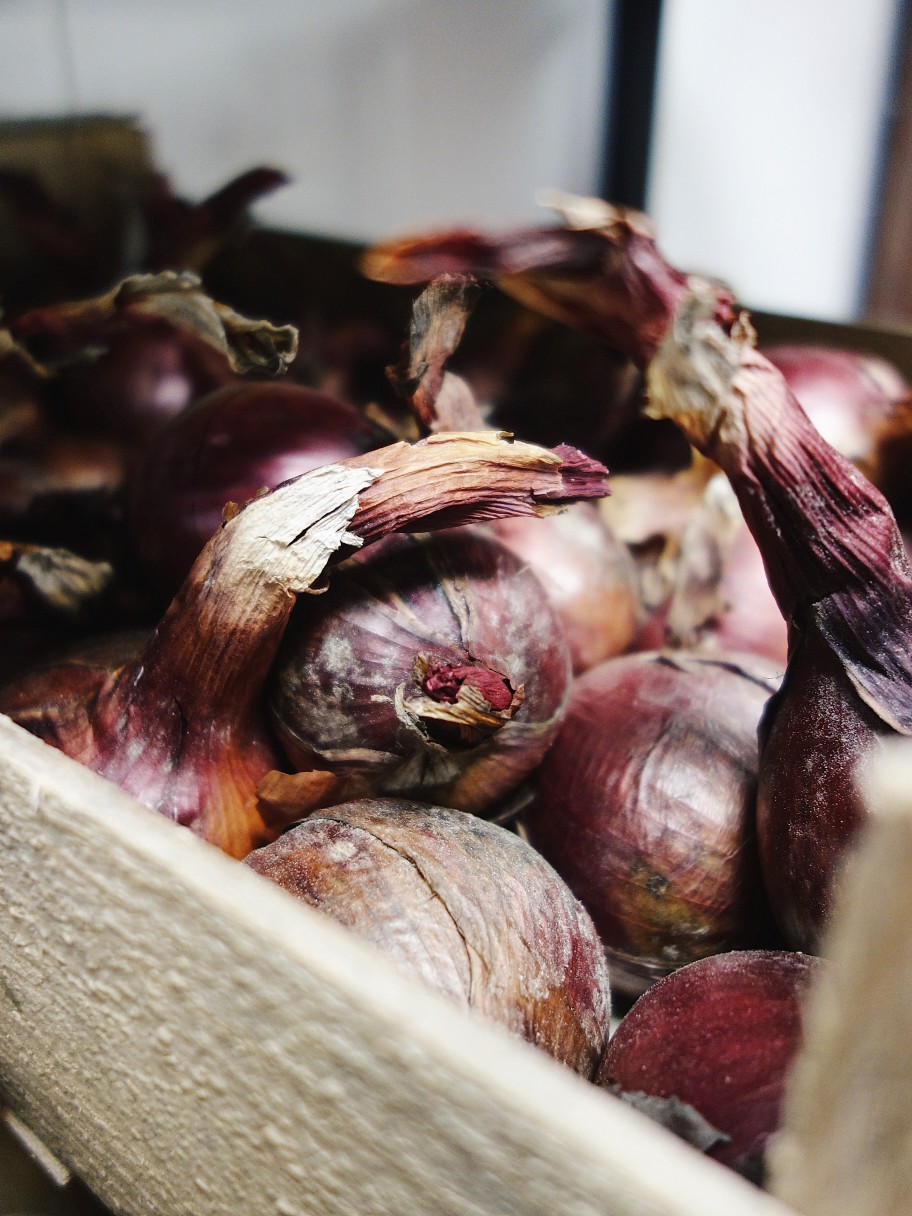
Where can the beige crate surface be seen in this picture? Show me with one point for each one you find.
(190, 1040)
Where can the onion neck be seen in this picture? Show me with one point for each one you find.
(830, 544)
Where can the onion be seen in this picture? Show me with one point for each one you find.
(837, 565)
(465, 906)
(432, 668)
(862, 405)
(124, 362)
(707, 1051)
(235, 442)
(180, 724)
(645, 805)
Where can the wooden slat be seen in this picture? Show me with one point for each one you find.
(846, 1148)
(190, 1040)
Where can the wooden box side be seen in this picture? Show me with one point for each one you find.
(191, 1040)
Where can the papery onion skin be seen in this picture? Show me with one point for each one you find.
(464, 905)
(589, 577)
(645, 805)
(230, 445)
(719, 1035)
(346, 685)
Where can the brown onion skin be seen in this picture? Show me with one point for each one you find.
(457, 598)
(809, 804)
(645, 805)
(588, 574)
(227, 447)
(464, 905)
(720, 1035)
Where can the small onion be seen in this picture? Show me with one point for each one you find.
(230, 445)
(432, 668)
(710, 1048)
(645, 805)
(466, 906)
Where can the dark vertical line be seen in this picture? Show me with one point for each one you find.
(630, 99)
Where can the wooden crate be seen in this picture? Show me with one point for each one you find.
(192, 1041)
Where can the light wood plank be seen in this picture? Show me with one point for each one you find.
(192, 1041)
(846, 1145)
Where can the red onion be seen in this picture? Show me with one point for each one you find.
(432, 668)
(129, 359)
(645, 805)
(465, 906)
(227, 447)
(180, 725)
(708, 1050)
(702, 579)
(837, 566)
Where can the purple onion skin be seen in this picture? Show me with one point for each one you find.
(645, 805)
(719, 1035)
(145, 378)
(462, 904)
(350, 660)
(809, 806)
(227, 447)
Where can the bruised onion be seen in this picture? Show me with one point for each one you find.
(230, 445)
(180, 725)
(432, 668)
(464, 905)
(707, 1051)
(837, 566)
(645, 805)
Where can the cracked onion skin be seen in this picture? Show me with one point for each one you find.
(718, 1035)
(466, 906)
(434, 667)
(645, 805)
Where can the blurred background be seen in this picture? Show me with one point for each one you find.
(757, 135)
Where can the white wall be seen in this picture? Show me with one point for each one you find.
(769, 120)
(387, 113)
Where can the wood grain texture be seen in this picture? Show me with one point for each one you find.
(190, 1040)
(846, 1145)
